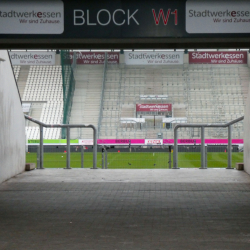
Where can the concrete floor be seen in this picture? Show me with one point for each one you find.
(126, 209)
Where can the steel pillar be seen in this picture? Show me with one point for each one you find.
(68, 148)
(94, 147)
(169, 158)
(41, 148)
(203, 153)
(103, 156)
(175, 165)
(82, 156)
(229, 149)
(106, 158)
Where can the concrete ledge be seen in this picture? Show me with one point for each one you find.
(239, 166)
(86, 175)
(30, 166)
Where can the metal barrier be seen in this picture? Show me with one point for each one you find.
(203, 150)
(68, 126)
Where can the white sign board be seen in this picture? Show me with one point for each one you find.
(132, 120)
(85, 141)
(153, 58)
(153, 97)
(217, 17)
(32, 58)
(153, 141)
(26, 107)
(31, 17)
(174, 120)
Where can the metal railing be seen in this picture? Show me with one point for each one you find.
(203, 152)
(68, 127)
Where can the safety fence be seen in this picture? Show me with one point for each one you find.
(159, 156)
(134, 157)
(203, 149)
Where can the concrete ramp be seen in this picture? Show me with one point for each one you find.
(126, 209)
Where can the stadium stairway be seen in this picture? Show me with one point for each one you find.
(87, 98)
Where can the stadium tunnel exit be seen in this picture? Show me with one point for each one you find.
(117, 208)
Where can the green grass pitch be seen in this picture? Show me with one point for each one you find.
(135, 160)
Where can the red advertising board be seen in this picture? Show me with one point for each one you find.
(218, 57)
(95, 57)
(153, 107)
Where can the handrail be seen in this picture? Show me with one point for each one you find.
(68, 126)
(211, 125)
(203, 126)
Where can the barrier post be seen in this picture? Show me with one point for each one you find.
(169, 158)
(229, 148)
(106, 158)
(94, 147)
(82, 156)
(41, 147)
(68, 148)
(175, 165)
(206, 156)
(103, 157)
(203, 155)
(38, 157)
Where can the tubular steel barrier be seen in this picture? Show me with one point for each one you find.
(203, 150)
(68, 127)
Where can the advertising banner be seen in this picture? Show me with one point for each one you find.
(121, 141)
(31, 17)
(153, 141)
(112, 141)
(216, 17)
(207, 141)
(153, 58)
(218, 57)
(32, 58)
(96, 57)
(153, 107)
(138, 141)
(124, 20)
(85, 141)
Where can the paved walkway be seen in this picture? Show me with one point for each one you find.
(126, 209)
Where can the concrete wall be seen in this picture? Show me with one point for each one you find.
(247, 135)
(12, 123)
(247, 130)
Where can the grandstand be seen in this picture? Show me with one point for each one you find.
(87, 97)
(202, 93)
(42, 87)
